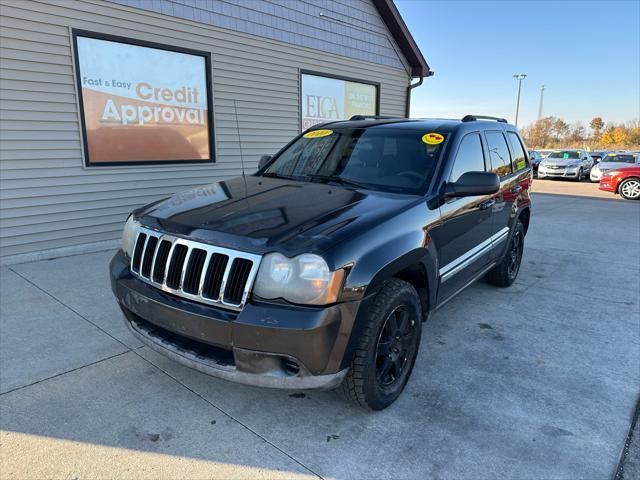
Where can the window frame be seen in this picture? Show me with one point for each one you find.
(457, 152)
(510, 163)
(527, 161)
(87, 163)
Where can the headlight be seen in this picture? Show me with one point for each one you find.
(129, 235)
(305, 279)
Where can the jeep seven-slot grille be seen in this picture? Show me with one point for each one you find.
(194, 270)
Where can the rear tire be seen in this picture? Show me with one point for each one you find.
(387, 348)
(630, 188)
(506, 272)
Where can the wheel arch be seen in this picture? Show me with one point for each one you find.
(525, 216)
(417, 267)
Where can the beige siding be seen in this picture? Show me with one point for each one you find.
(49, 200)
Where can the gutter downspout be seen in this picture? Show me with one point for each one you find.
(411, 87)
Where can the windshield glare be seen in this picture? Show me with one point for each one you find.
(391, 160)
(565, 154)
(623, 158)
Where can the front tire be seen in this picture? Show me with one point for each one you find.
(506, 272)
(630, 188)
(580, 175)
(388, 347)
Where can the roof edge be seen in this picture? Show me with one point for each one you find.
(401, 34)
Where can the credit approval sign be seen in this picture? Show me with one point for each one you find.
(324, 99)
(142, 104)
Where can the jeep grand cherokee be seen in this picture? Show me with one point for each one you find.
(318, 270)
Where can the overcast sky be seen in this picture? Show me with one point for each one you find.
(586, 53)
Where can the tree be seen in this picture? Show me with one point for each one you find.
(577, 134)
(560, 129)
(596, 125)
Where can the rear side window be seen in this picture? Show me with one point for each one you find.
(469, 158)
(498, 153)
(519, 161)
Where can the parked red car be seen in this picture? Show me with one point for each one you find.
(625, 181)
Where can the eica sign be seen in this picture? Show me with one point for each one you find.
(141, 103)
(325, 99)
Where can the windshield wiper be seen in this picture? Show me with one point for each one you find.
(278, 175)
(335, 178)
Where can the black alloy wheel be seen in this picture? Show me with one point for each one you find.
(506, 271)
(514, 255)
(395, 346)
(387, 347)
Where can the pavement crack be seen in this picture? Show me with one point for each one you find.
(71, 308)
(231, 417)
(63, 373)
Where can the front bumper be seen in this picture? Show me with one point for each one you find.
(266, 344)
(595, 175)
(557, 172)
(607, 184)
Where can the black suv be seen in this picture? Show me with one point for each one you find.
(318, 270)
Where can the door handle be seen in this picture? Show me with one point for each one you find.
(487, 204)
(517, 189)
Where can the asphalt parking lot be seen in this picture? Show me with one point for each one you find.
(536, 381)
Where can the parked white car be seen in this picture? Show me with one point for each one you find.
(574, 164)
(613, 161)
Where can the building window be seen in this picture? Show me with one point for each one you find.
(325, 98)
(142, 103)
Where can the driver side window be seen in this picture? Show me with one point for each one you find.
(470, 157)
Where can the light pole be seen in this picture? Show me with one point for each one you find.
(519, 77)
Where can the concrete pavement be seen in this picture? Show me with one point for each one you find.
(536, 381)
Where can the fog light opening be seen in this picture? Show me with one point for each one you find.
(290, 367)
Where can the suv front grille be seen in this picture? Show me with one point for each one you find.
(194, 270)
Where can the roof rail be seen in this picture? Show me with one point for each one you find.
(473, 118)
(374, 117)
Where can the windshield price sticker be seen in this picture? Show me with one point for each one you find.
(432, 138)
(318, 133)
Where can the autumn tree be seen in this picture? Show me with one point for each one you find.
(596, 125)
(554, 132)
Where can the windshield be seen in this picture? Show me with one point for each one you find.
(378, 159)
(621, 157)
(565, 154)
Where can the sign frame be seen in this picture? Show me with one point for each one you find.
(333, 77)
(87, 163)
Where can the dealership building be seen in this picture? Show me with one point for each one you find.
(107, 105)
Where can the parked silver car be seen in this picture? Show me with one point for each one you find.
(574, 164)
(613, 161)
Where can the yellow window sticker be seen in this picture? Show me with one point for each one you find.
(318, 133)
(612, 155)
(432, 138)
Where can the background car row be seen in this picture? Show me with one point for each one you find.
(617, 172)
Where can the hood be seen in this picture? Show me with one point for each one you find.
(562, 162)
(271, 214)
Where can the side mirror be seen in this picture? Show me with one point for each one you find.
(264, 159)
(473, 183)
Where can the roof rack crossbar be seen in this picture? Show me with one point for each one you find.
(473, 118)
(373, 117)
